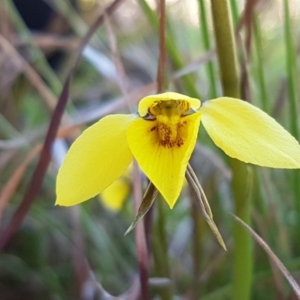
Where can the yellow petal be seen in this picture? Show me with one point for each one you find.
(115, 195)
(97, 158)
(148, 101)
(245, 132)
(164, 165)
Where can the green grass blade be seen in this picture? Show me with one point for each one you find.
(293, 109)
(206, 43)
(260, 66)
(291, 70)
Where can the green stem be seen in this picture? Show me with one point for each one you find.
(234, 11)
(291, 63)
(243, 257)
(226, 50)
(207, 47)
(160, 251)
(227, 58)
(197, 247)
(260, 66)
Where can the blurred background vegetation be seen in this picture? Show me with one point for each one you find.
(81, 252)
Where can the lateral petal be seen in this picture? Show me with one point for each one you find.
(245, 132)
(95, 160)
(165, 166)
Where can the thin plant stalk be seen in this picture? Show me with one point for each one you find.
(140, 238)
(226, 48)
(174, 54)
(200, 197)
(207, 47)
(260, 65)
(161, 69)
(234, 12)
(291, 71)
(293, 109)
(227, 58)
(197, 246)
(160, 251)
(162, 260)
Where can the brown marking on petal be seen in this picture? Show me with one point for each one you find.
(171, 136)
(170, 129)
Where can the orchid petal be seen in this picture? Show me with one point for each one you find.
(164, 165)
(245, 132)
(95, 160)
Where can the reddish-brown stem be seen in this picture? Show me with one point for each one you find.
(140, 237)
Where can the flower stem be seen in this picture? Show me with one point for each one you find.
(140, 238)
(226, 50)
(197, 247)
(160, 251)
(160, 238)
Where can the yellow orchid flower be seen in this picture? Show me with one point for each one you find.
(162, 138)
(115, 195)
